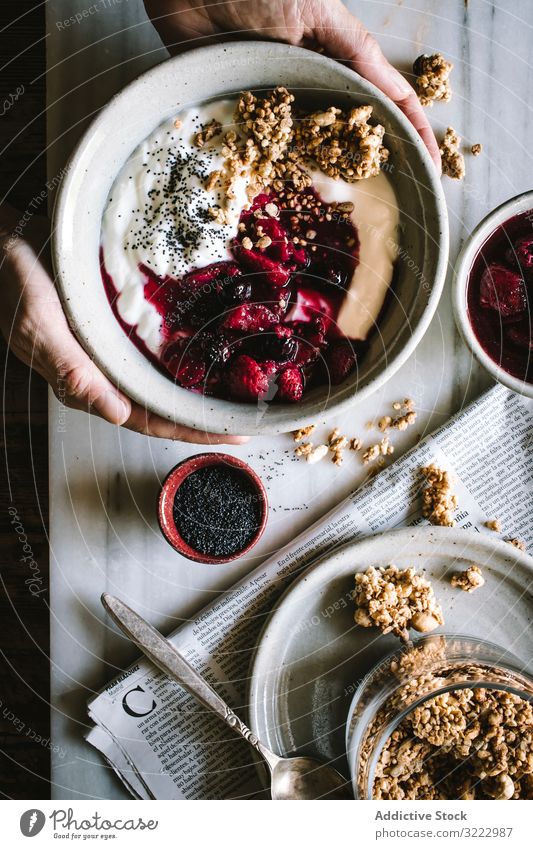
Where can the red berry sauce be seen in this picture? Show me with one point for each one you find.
(500, 293)
(262, 325)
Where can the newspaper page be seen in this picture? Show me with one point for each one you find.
(157, 738)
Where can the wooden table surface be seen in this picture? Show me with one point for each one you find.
(24, 618)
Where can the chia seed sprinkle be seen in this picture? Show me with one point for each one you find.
(217, 510)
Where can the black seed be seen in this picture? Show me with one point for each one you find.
(217, 510)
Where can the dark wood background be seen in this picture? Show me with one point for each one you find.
(24, 619)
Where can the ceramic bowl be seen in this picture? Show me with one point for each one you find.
(171, 484)
(514, 206)
(222, 71)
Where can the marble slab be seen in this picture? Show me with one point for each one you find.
(104, 480)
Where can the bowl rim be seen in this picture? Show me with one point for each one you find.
(513, 206)
(174, 480)
(294, 415)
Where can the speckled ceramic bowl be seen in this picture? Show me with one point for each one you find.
(222, 71)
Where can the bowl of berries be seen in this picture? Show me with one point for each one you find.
(263, 242)
(493, 293)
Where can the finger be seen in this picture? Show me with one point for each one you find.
(82, 386)
(76, 380)
(345, 38)
(143, 421)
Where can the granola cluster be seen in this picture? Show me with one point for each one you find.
(273, 143)
(432, 78)
(343, 144)
(453, 161)
(469, 580)
(463, 744)
(395, 600)
(439, 502)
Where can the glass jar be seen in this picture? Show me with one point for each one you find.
(417, 672)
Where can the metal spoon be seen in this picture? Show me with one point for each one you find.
(292, 778)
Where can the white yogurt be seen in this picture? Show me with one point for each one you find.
(156, 216)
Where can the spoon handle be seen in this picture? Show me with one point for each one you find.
(167, 658)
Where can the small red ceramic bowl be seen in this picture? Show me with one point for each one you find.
(165, 507)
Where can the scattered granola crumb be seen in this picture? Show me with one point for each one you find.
(469, 580)
(216, 213)
(212, 180)
(210, 130)
(385, 446)
(337, 441)
(453, 161)
(432, 78)
(371, 453)
(438, 500)
(263, 242)
(476, 149)
(518, 543)
(395, 600)
(379, 449)
(302, 432)
(318, 453)
(396, 405)
(272, 210)
(247, 243)
(384, 423)
(404, 421)
(494, 525)
(337, 458)
(303, 449)
(178, 124)
(355, 444)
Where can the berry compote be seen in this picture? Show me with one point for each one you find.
(262, 324)
(500, 293)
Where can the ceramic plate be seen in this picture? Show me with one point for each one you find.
(311, 656)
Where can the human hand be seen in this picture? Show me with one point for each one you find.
(34, 325)
(323, 24)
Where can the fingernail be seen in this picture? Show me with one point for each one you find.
(236, 440)
(402, 86)
(112, 408)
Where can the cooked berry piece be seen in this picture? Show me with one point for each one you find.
(216, 348)
(216, 271)
(279, 348)
(521, 334)
(503, 290)
(311, 339)
(246, 379)
(235, 292)
(522, 252)
(273, 270)
(341, 360)
(290, 385)
(185, 361)
(250, 318)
